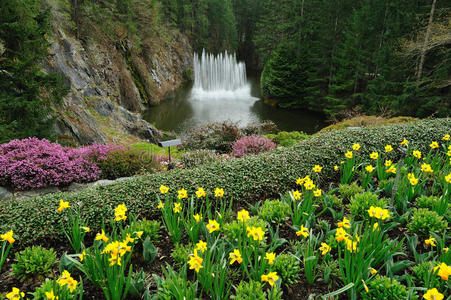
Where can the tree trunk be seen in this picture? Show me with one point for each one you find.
(426, 39)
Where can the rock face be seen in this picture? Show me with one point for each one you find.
(110, 84)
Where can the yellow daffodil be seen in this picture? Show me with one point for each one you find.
(82, 255)
(8, 237)
(348, 154)
(15, 294)
(404, 142)
(219, 192)
(235, 256)
(433, 294)
(270, 257)
(160, 205)
(63, 205)
(445, 250)
(373, 271)
(369, 168)
(372, 211)
(378, 213)
(388, 163)
(388, 148)
(164, 189)
(317, 169)
(257, 233)
(375, 226)
(356, 147)
(101, 236)
(197, 217)
(374, 155)
(416, 154)
(243, 215)
(50, 295)
(434, 145)
(300, 181)
(448, 178)
(317, 193)
(119, 212)
(446, 137)
(412, 179)
(86, 228)
(212, 226)
(66, 279)
(139, 234)
(391, 169)
(200, 192)
(271, 278)
(351, 245)
(336, 168)
(365, 286)
(340, 234)
(195, 262)
(182, 194)
(325, 248)
(177, 207)
(303, 231)
(426, 168)
(443, 271)
(430, 241)
(309, 185)
(296, 195)
(345, 223)
(201, 246)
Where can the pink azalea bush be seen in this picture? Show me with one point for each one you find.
(34, 163)
(251, 145)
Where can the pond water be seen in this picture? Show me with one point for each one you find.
(222, 92)
(186, 110)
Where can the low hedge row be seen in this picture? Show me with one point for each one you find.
(248, 179)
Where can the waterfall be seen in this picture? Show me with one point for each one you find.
(219, 76)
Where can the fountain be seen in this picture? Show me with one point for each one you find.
(219, 77)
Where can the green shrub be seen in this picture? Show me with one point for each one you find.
(425, 221)
(213, 136)
(382, 287)
(432, 203)
(34, 262)
(196, 158)
(287, 267)
(127, 163)
(259, 128)
(360, 203)
(347, 191)
(139, 283)
(254, 290)
(274, 211)
(233, 229)
(255, 177)
(287, 139)
(150, 228)
(181, 253)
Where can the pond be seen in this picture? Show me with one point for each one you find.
(222, 92)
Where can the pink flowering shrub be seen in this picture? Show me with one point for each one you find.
(34, 163)
(251, 145)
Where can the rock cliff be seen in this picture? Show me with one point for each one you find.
(111, 79)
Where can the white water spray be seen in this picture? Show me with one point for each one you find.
(219, 77)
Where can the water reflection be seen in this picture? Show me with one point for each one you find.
(186, 110)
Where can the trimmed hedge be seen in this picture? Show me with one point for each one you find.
(252, 178)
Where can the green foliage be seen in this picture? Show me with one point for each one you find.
(263, 176)
(382, 287)
(181, 253)
(424, 221)
(25, 91)
(234, 229)
(249, 290)
(175, 285)
(432, 203)
(140, 283)
(287, 139)
(150, 228)
(287, 266)
(196, 158)
(274, 211)
(127, 163)
(423, 274)
(33, 262)
(360, 203)
(347, 191)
